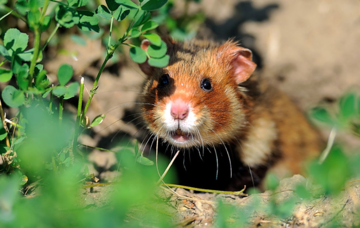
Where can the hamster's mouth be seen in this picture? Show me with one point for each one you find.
(180, 136)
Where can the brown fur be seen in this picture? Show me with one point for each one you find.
(263, 125)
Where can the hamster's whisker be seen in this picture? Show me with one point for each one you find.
(184, 160)
(197, 148)
(252, 178)
(227, 152)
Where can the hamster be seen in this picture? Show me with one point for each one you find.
(231, 128)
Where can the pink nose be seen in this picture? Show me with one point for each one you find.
(179, 109)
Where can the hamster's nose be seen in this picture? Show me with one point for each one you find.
(179, 109)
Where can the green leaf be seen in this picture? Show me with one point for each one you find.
(34, 5)
(41, 81)
(181, 34)
(347, 106)
(47, 92)
(137, 54)
(71, 90)
(46, 23)
(77, 3)
(161, 62)
(153, 5)
(302, 192)
(135, 33)
(272, 182)
(65, 73)
(149, 26)
(154, 39)
(121, 13)
(33, 18)
(5, 75)
(22, 77)
(66, 17)
(97, 120)
(15, 41)
(136, 148)
(62, 157)
(141, 18)
(9, 194)
(18, 97)
(13, 97)
(112, 5)
(333, 173)
(157, 51)
(24, 179)
(22, 6)
(285, 209)
(78, 39)
(144, 161)
(128, 3)
(3, 133)
(59, 91)
(4, 53)
(103, 12)
(16, 64)
(322, 115)
(26, 55)
(88, 21)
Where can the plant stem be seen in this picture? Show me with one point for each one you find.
(329, 145)
(37, 31)
(3, 62)
(93, 90)
(241, 192)
(51, 101)
(78, 117)
(131, 23)
(98, 148)
(35, 55)
(61, 108)
(13, 12)
(13, 123)
(110, 52)
(46, 4)
(168, 167)
(111, 26)
(6, 15)
(51, 36)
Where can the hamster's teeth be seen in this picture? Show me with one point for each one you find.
(179, 132)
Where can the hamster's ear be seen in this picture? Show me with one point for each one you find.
(145, 67)
(243, 66)
(240, 60)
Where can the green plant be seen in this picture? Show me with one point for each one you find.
(181, 27)
(25, 64)
(39, 144)
(343, 116)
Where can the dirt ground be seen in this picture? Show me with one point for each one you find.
(307, 48)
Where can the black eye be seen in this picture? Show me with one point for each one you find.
(163, 81)
(206, 85)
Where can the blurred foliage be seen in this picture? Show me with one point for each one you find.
(180, 26)
(39, 152)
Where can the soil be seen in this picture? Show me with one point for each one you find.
(307, 48)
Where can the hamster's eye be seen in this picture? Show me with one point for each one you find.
(206, 85)
(163, 81)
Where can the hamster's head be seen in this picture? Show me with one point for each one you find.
(196, 100)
